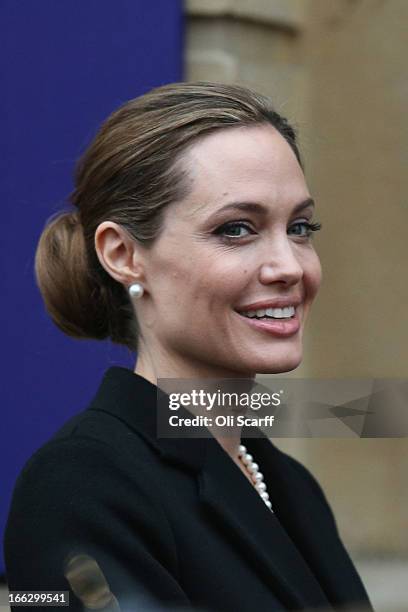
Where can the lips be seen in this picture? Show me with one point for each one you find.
(284, 327)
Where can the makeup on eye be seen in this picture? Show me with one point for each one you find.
(309, 227)
(260, 212)
(230, 226)
(228, 229)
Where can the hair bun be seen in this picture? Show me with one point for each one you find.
(81, 304)
(71, 296)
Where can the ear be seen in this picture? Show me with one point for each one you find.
(118, 253)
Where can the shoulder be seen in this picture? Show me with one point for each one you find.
(73, 478)
(89, 454)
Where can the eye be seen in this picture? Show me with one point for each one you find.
(304, 229)
(234, 229)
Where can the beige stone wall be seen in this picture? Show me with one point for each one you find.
(358, 168)
(337, 68)
(357, 162)
(252, 43)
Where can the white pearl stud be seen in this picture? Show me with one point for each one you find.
(136, 291)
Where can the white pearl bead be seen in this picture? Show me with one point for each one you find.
(268, 503)
(264, 495)
(242, 449)
(260, 486)
(253, 467)
(257, 477)
(247, 459)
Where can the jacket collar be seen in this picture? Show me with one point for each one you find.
(132, 399)
(224, 490)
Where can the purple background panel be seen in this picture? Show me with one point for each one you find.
(65, 66)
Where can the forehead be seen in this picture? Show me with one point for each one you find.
(254, 163)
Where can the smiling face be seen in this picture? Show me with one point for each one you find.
(237, 245)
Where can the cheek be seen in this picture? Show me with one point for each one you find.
(222, 281)
(206, 272)
(168, 275)
(313, 274)
(184, 282)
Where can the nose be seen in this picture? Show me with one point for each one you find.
(281, 264)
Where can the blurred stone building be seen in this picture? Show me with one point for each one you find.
(338, 70)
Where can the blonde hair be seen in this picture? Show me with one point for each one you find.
(129, 174)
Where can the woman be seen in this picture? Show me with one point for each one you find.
(192, 215)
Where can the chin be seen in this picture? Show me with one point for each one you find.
(277, 369)
(279, 364)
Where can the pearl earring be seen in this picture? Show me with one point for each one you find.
(136, 290)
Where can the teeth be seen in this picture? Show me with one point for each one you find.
(276, 313)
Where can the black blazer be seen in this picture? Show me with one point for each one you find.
(172, 520)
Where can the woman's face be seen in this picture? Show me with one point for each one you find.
(238, 245)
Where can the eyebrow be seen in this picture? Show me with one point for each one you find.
(255, 207)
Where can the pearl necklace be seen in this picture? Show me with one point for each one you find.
(253, 470)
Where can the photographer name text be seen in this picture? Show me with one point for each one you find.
(230, 420)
